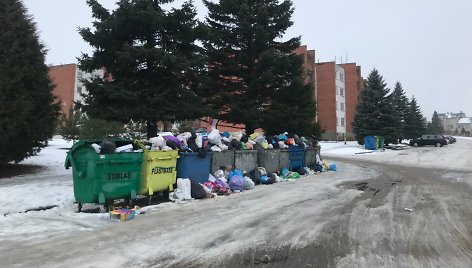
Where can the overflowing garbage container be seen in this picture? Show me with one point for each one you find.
(296, 157)
(101, 176)
(159, 171)
(269, 159)
(221, 159)
(194, 166)
(284, 161)
(245, 160)
(310, 156)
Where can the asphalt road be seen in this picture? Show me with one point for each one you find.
(355, 217)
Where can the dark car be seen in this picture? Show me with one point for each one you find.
(451, 139)
(429, 139)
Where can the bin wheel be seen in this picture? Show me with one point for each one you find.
(104, 208)
(132, 203)
(79, 207)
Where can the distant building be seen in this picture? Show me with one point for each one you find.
(354, 84)
(331, 100)
(336, 89)
(464, 126)
(68, 86)
(450, 122)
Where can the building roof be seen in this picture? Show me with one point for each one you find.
(465, 120)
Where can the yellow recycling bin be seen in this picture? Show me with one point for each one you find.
(159, 170)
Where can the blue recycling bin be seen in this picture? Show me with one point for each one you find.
(296, 157)
(191, 166)
(370, 143)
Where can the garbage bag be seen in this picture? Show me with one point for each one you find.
(236, 183)
(184, 185)
(248, 183)
(107, 147)
(214, 137)
(197, 191)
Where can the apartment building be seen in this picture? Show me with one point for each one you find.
(68, 86)
(331, 100)
(450, 122)
(354, 83)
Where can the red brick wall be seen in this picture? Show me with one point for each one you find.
(63, 77)
(326, 95)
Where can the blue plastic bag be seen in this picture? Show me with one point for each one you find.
(332, 167)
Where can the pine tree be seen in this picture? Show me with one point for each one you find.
(435, 126)
(414, 123)
(255, 79)
(70, 123)
(375, 113)
(28, 109)
(400, 102)
(152, 62)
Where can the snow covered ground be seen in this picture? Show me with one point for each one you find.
(53, 188)
(447, 157)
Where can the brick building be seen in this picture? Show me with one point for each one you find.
(336, 90)
(331, 100)
(354, 83)
(68, 86)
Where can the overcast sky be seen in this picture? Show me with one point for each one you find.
(424, 44)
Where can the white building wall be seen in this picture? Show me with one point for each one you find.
(340, 102)
(79, 86)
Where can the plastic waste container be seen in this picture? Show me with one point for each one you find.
(310, 156)
(284, 161)
(370, 143)
(102, 178)
(380, 142)
(159, 170)
(245, 160)
(221, 159)
(269, 159)
(191, 166)
(296, 157)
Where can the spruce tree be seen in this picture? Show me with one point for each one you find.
(255, 78)
(400, 102)
(375, 114)
(390, 121)
(70, 123)
(28, 109)
(414, 123)
(435, 126)
(153, 66)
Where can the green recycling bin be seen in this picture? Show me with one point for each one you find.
(380, 142)
(102, 178)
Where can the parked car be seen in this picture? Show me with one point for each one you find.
(451, 139)
(429, 139)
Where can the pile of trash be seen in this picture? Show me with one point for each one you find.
(229, 180)
(218, 142)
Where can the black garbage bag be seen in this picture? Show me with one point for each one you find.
(172, 144)
(107, 147)
(197, 191)
(255, 176)
(235, 144)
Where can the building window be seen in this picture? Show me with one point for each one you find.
(337, 121)
(79, 75)
(341, 77)
(342, 121)
(341, 91)
(79, 89)
(342, 107)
